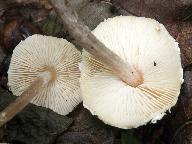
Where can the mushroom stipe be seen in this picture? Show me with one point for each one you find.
(9, 112)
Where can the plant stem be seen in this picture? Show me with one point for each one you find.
(91, 44)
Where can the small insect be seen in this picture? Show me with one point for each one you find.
(155, 64)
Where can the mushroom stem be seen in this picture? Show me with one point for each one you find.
(12, 109)
(91, 44)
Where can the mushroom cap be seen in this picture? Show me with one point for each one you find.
(147, 46)
(38, 53)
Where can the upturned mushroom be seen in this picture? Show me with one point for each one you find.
(46, 68)
(148, 47)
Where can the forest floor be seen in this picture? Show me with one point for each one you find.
(38, 125)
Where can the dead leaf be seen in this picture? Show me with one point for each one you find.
(32, 125)
(182, 32)
(161, 10)
(87, 129)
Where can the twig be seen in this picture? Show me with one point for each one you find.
(90, 43)
(179, 129)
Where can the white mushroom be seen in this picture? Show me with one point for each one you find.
(147, 46)
(37, 54)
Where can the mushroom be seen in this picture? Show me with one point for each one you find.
(148, 47)
(48, 68)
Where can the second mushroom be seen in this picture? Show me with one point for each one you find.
(39, 56)
(147, 46)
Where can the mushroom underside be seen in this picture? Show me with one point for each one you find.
(147, 46)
